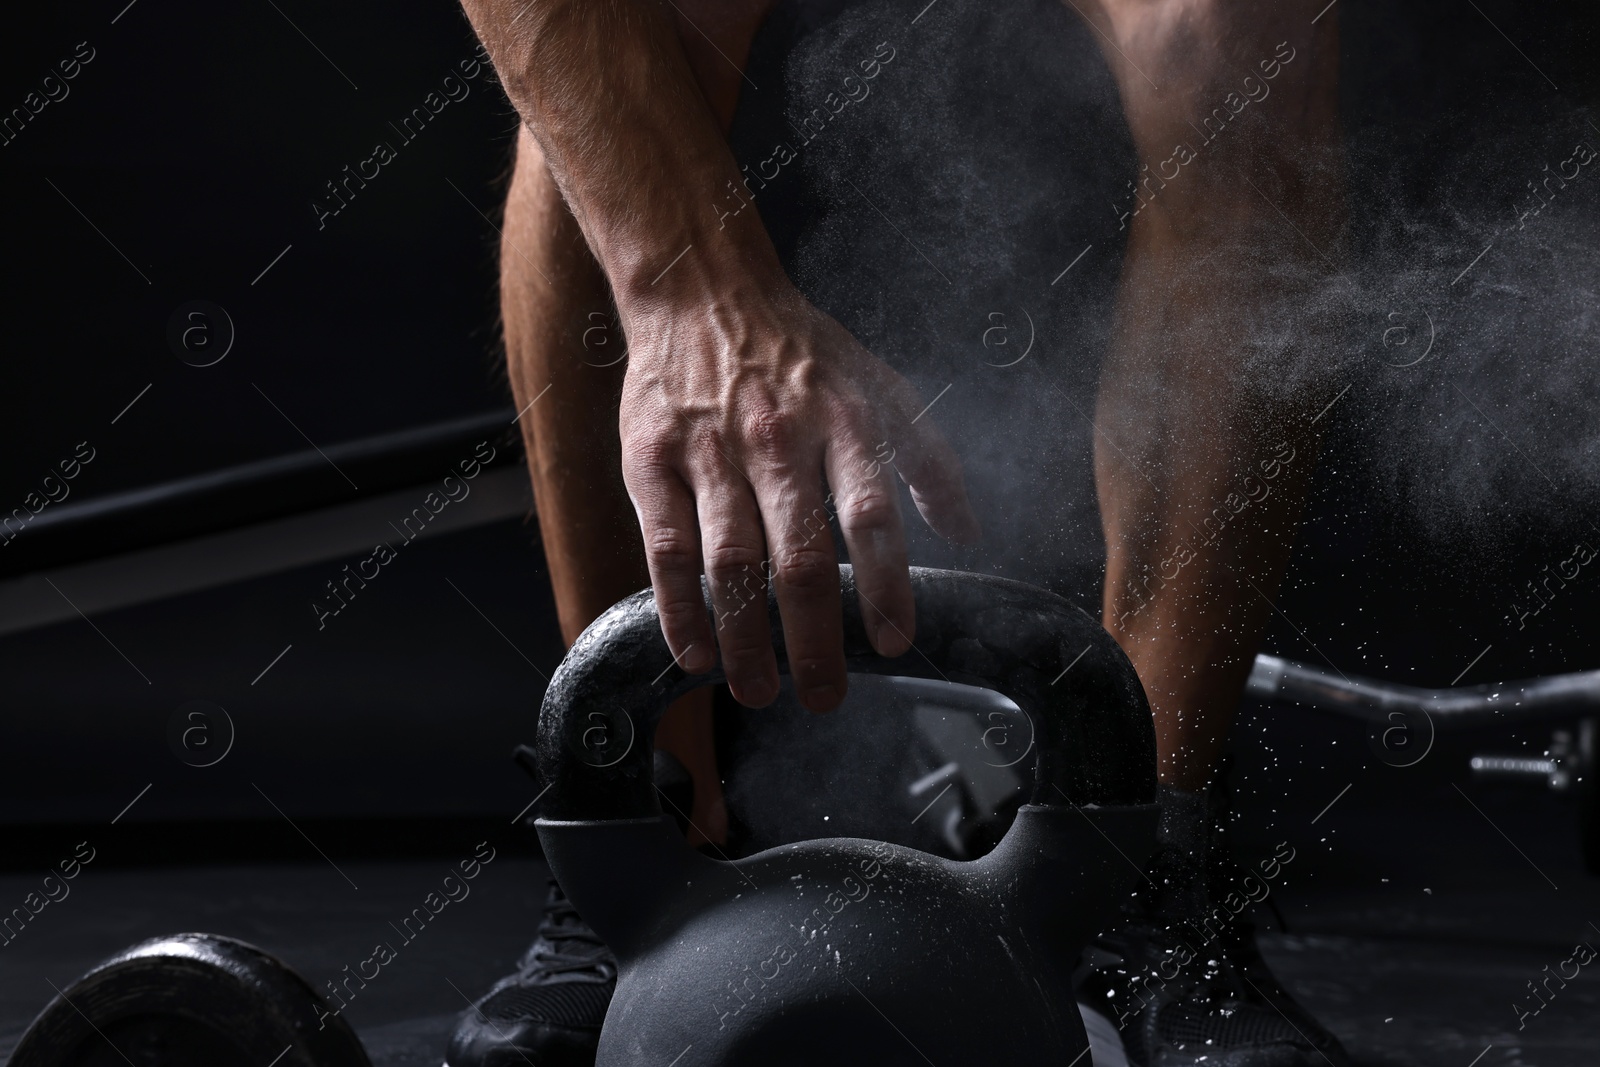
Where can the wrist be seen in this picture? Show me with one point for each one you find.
(695, 271)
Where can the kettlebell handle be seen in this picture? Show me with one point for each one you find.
(1092, 725)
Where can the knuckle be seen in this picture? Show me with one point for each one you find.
(680, 615)
(649, 453)
(806, 569)
(853, 415)
(669, 549)
(728, 559)
(771, 429)
(869, 509)
(707, 437)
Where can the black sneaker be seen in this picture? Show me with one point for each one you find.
(549, 1012)
(1182, 980)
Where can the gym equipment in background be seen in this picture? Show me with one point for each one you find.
(189, 1000)
(1404, 720)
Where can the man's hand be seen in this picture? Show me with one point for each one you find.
(734, 413)
(740, 397)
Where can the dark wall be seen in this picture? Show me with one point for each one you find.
(184, 158)
(1463, 464)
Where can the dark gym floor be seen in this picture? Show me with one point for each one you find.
(1417, 911)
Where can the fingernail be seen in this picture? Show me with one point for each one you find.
(889, 640)
(754, 692)
(697, 660)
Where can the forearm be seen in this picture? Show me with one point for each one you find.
(607, 91)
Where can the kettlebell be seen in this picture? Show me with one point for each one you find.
(846, 951)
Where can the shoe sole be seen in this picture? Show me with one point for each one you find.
(1105, 1044)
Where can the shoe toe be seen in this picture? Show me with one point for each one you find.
(554, 1024)
(1249, 1035)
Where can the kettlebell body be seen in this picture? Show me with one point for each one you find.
(846, 951)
